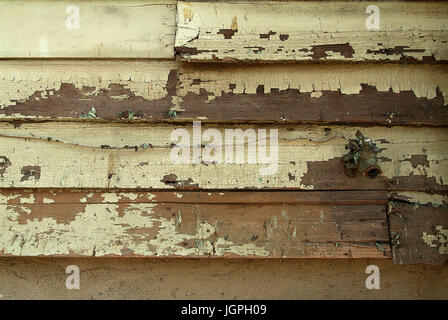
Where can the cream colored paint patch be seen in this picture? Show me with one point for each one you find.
(48, 200)
(110, 197)
(107, 29)
(128, 195)
(78, 161)
(113, 197)
(22, 200)
(438, 240)
(100, 230)
(84, 199)
(6, 198)
(422, 198)
(423, 81)
(291, 31)
(20, 80)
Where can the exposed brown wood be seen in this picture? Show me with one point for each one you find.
(288, 93)
(86, 142)
(86, 89)
(419, 232)
(135, 91)
(215, 228)
(82, 196)
(230, 279)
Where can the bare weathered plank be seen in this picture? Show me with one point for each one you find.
(98, 155)
(210, 279)
(311, 31)
(170, 91)
(87, 29)
(210, 225)
(419, 227)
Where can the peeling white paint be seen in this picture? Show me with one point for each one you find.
(128, 195)
(438, 240)
(423, 81)
(423, 198)
(21, 80)
(277, 31)
(298, 149)
(100, 230)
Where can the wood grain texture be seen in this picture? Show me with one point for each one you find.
(94, 196)
(98, 155)
(107, 29)
(168, 91)
(419, 228)
(310, 31)
(229, 279)
(194, 225)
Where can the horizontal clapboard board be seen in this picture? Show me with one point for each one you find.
(188, 224)
(101, 155)
(87, 29)
(312, 31)
(173, 92)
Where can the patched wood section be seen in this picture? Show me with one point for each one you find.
(51, 155)
(70, 223)
(419, 228)
(174, 92)
(386, 94)
(87, 29)
(311, 31)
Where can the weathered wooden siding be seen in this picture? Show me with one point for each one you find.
(86, 145)
(87, 29)
(311, 31)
